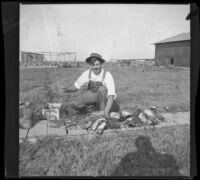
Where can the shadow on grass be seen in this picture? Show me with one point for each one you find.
(146, 162)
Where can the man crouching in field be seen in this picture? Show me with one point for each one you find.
(100, 88)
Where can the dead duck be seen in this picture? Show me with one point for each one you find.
(101, 128)
(97, 123)
(151, 116)
(125, 114)
(115, 115)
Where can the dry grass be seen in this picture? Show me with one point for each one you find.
(100, 155)
(153, 87)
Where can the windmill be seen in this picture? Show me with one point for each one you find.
(59, 34)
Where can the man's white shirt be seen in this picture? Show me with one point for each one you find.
(108, 80)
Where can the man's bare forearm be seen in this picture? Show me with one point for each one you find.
(70, 89)
(109, 104)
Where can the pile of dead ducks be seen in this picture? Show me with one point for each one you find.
(97, 122)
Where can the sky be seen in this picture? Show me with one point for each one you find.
(116, 31)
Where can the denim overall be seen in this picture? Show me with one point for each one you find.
(94, 86)
(87, 100)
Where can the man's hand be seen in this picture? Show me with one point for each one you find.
(106, 113)
(108, 106)
(66, 90)
(102, 113)
(69, 90)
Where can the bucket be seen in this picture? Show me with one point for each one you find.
(53, 113)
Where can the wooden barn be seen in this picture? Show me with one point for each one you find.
(31, 59)
(173, 51)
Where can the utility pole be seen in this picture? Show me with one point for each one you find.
(47, 29)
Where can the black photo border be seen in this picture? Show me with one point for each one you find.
(10, 74)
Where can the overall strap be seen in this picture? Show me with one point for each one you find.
(104, 75)
(90, 74)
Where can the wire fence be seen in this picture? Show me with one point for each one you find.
(35, 59)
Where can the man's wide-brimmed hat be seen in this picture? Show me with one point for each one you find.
(94, 55)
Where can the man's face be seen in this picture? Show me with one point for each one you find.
(96, 67)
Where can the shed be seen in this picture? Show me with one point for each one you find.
(31, 59)
(173, 51)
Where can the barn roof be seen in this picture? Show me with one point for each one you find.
(31, 53)
(179, 37)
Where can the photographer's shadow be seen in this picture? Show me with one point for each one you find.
(146, 162)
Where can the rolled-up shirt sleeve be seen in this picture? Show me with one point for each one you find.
(110, 84)
(83, 78)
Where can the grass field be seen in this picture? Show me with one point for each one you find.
(104, 155)
(100, 155)
(162, 87)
